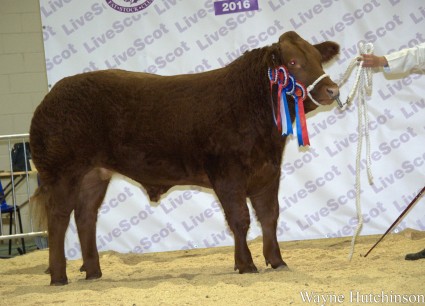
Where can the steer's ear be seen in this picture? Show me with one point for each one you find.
(328, 49)
(273, 56)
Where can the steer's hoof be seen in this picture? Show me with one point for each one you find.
(281, 265)
(61, 282)
(247, 269)
(94, 276)
(282, 268)
(278, 268)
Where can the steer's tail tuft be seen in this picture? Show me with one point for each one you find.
(40, 203)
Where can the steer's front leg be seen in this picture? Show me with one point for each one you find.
(237, 216)
(227, 181)
(266, 207)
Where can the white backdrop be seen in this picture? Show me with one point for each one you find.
(317, 193)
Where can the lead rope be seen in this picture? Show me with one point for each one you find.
(362, 86)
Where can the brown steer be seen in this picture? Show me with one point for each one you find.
(213, 129)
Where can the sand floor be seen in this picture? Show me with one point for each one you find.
(319, 269)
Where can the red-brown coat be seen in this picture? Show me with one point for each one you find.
(213, 129)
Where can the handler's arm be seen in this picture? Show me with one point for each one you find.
(406, 59)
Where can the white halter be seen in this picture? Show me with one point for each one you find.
(311, 87)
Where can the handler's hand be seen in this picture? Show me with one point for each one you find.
(373, 61)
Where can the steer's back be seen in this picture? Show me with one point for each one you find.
(106, 118)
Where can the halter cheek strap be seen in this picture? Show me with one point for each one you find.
(311, 87)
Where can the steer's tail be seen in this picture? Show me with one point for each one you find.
(40, 203)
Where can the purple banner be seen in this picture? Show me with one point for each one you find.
(235, 6)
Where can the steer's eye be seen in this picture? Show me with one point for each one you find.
(292, 62)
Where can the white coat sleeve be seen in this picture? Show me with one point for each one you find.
(406, 59)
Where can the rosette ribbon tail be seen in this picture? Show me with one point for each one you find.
(301, 123)
(286, 117)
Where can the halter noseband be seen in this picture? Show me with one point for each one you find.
(311, 87)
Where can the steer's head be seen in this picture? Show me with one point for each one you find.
(304, 61)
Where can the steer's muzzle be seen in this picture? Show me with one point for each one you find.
(333, 91)
(326, 92)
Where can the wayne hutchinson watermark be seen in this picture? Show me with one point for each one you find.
(358, 298)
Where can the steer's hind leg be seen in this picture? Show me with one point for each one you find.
(266, 207)
(92, 191)
(231, 192)
(59, 208)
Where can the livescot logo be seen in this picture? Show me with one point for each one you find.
(129, 6)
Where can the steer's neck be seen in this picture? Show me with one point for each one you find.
(248, 79)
